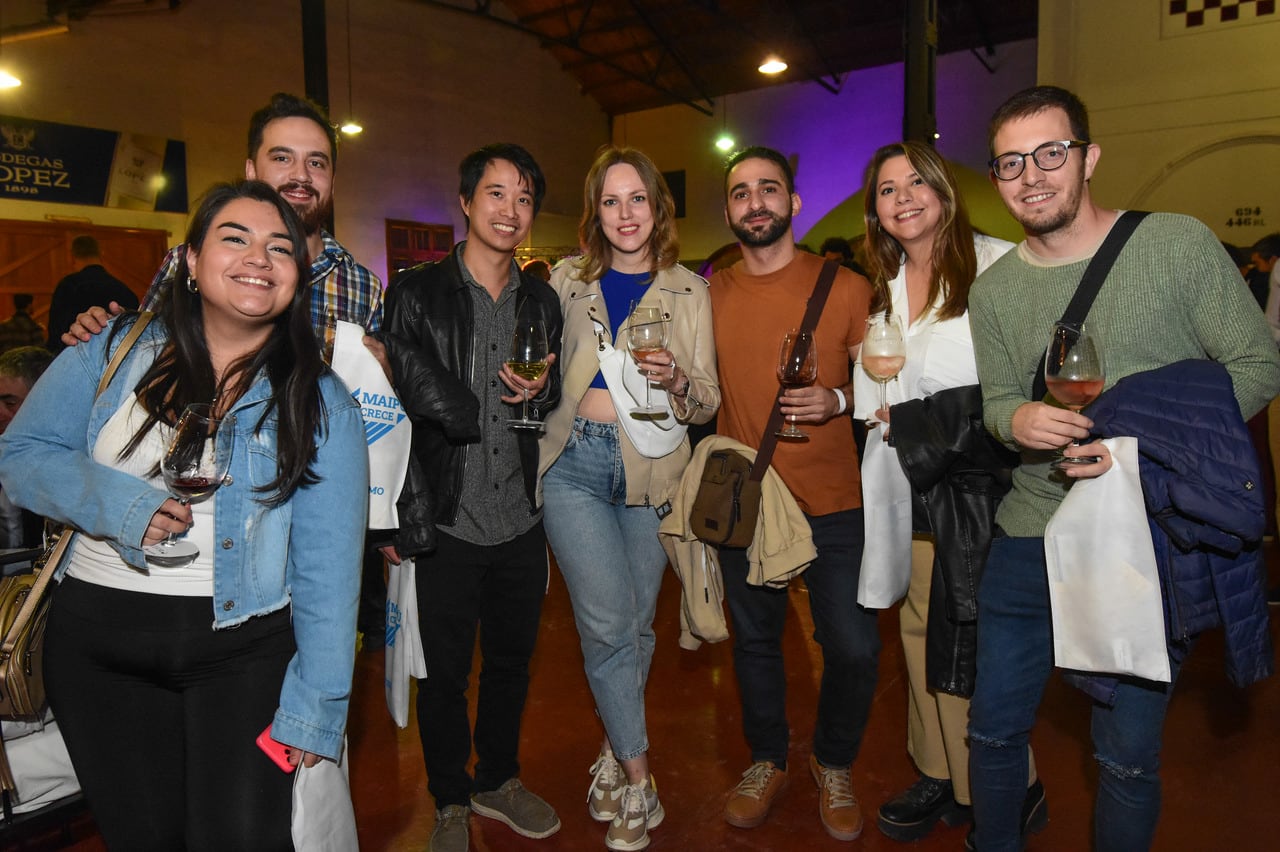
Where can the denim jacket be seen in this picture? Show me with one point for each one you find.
(305, 553)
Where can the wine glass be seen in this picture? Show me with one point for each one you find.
(1074, 374)
(193, 467)
(884, 351)
(528, 361)
(797, 368)
(646, 335)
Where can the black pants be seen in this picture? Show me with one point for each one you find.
(497, 590)
(160, 713)
(847, 633)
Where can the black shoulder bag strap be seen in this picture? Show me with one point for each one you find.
(1090, 283)
(814, 310)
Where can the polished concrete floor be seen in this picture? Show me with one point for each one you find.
(1221, 758)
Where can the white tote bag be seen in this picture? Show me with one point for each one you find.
(323, 818)
(886, 517)
(1104, 589)
(405, 659)
(653, 436)
(386, 427)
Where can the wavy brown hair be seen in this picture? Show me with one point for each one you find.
(954, 264)
(597, 254)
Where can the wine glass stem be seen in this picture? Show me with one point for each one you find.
(884, 394)
(525, 406)
(648, 383)
(182, 501)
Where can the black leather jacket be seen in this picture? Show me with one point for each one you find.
(428, 336)
(959, 473)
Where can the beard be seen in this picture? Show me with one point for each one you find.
(316, 214)
(778, 226)
(1056, 220)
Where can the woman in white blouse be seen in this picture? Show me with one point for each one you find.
(922, 256)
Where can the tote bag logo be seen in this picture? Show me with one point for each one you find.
(381, 412)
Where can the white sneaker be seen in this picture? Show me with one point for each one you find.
(638, 812)
(604, 796)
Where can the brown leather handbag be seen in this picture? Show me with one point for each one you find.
(24, 601)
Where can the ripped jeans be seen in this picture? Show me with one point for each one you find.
(1015, 659)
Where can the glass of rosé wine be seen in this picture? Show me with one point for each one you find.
(1074, 374)
(193, 467)
(884, 351)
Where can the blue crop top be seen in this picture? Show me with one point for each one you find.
(620, 290)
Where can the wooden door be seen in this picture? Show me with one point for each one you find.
(34, 256)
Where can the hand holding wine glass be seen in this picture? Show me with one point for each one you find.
(884, 351)
(1074, 374)
(529, 352)
(646, 335)
(193, 467)
(797, 368)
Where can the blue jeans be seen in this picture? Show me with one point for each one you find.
(847, 634)
(613, 563)
(1015, 659)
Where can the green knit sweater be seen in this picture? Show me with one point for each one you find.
(1172, 294)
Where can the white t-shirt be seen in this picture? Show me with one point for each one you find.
(95, 561)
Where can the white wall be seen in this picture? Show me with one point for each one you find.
(1188, 119)
(429, 86)
(831, 137)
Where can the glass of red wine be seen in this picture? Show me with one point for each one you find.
(193, 467)
(797, 368)
(1074, 374)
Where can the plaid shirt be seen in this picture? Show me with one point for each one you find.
(340, 287)
(21, 330)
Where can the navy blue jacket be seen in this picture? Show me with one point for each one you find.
(1203, 488)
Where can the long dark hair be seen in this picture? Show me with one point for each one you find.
(183, 372)
(953, 260)
(664, 248)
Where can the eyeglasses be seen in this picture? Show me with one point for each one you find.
(1047, 157)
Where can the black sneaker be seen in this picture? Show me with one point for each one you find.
(1035, 815)
(913, 813)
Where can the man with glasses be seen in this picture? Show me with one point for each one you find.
(1172, 294)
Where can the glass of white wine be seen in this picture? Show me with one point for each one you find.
(528, 360)
(646, 335)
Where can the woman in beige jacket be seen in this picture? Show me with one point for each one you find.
(608, 474)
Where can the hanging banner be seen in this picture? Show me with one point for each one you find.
(66, 164)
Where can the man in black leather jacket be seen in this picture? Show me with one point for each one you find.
(467, 511)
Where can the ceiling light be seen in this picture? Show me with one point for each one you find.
(8, 81)
(772, 65)
(351, 127)
(724, 142)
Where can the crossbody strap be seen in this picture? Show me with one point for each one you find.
(814, 310)
(63, 536)
(1090, 283)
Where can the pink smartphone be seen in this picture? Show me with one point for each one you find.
(274, 750)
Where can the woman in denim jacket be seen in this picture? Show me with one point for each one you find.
(163, 677)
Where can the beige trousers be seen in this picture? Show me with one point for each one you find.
(937, 722)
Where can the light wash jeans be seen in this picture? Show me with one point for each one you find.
(613, 563)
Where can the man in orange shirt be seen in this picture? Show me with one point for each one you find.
(754, 303)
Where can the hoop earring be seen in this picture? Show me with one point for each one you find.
(192, 286)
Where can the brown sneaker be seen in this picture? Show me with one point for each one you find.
(750, 801)
(837, 806)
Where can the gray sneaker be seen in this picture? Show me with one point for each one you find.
(522, 811)
(640, 811)
(452, 832)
